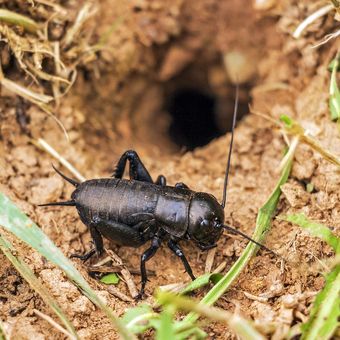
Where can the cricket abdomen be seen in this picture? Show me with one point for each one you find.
(114, 199)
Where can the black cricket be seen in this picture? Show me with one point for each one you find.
(132, 212)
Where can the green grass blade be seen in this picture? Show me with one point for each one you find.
(294, 128)
(239, 325)
(323, 319)
(166, 330)
(16, 222)
(315, 229)
(201, 281)
(13, 18)
(262, 226)
(137, 319)
(331, 65)
(191, 333)
(334, 93)
(2, 332)
(34, 282)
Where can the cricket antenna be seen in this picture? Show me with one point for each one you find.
(70, 180)
(66, 203)
(225, 185)
(237, 232)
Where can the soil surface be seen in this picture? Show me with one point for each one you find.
(119, 103)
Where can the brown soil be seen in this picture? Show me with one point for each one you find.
(119, 103)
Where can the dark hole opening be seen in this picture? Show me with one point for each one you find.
(193, 118)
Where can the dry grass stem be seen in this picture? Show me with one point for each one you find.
(13, 18)
(31, 51)
(56, 7)
(175, 288)
(104, 269)
(290, 153)
(25, 92)
(310, 19)
(117, 293)
(124, 272)
(40, 142)
(46, 76)
(54, 324)
(129, 282)
(256, 298)
(220, 267)
(265, 116)
(210, 260)
(84, 14)
(275, 86)
(327, 38)
(304, 137)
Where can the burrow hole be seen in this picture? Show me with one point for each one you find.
(198, 115)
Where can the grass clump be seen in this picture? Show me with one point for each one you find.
(49, 44)
(241, 326)
(324, 316)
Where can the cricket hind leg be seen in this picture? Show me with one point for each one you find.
(130, 236)
(123, 234)
(98, 245)
(137, 169)
(84, 257)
